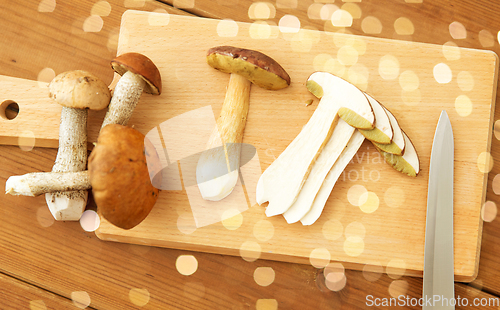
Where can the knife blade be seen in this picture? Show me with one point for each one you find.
(438, 282)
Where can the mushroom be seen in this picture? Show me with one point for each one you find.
(124, 174)
(122, 184)
(217, 169)
(138, 74)
(77, 91)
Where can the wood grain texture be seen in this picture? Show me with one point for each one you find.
(108, 271)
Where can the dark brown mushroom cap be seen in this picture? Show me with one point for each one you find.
(257, 67)
(141, 65)
(120, 178)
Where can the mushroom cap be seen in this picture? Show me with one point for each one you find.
(257, 67)
(120, 178)
(140, 65)
(79, 89)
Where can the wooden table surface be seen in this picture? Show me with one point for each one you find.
(58, 265)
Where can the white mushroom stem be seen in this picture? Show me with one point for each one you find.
(71, 157)
(37, 183)
(127, 92)
(217, 169)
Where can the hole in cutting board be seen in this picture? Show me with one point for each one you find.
(9, 109)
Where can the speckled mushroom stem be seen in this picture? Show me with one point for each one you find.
(126, 95)
(38, 183)
(72, 152)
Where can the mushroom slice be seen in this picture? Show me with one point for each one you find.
(282, 181)
(333, 175)
(397, 146)
(382, 133)
(408, 163)
(218, 166)
(327, 158)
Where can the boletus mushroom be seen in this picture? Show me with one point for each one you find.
(217, 168)
(77, 91)
(118, 170)
(138, 74)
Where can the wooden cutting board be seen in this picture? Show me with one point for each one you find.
(386, 233)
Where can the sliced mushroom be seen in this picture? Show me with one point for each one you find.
(217, 169)
(138, 74)
(77, 91)
(283, 180)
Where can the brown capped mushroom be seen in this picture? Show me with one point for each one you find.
(120, 178)
(217, 169)
(77, 91)
(124, 173)
(138, 74)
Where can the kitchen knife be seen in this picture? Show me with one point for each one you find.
(438, 283)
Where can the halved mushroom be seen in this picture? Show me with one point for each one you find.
(218, 166)
(397, 145)
(77, 91)
(283, 180)
(408, 163)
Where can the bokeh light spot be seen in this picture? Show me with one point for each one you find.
(371, 25)
(489, 211)
(355, 229)
(409, 81)
(353, 9)
(332, 229)
(47, 6)
(260, 30)
(46, 75)
(347, 55)
(371, 202)
(388, 67)
(486, 38)
(37, 305)
(341, 18)
(394, 196)
(398, 288)
(101, 8)
(139, 296)
(496, 129)
(26, 140)
(186, 264)
(44, 217)
(355, 193)
(186, 224)
(457, 31)
(319, 257)
(451, 51)
(495, 185)
(264, 276)
(263, 230)
(359, 75)
(395, 268)
(250, 251)
(411, 98)
(327, 11)
(404, 26)
(334, 66)
(159, 18)
(227, 28)
(335, 279)
(354, 246)
(232, 219)
(442, 73)
(90, 220)
(81, 299)
(372, 272)
(485, 162)
(463, 105)
(261, 10)
(465, 81)
(266, 304)
(93, 23)
(289, 24)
